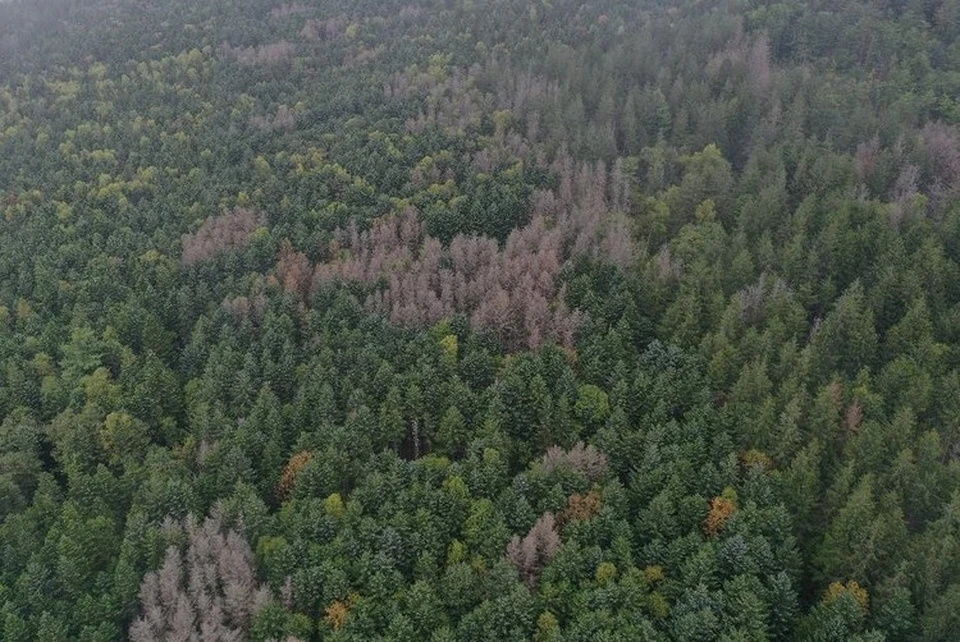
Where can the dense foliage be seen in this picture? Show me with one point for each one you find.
(480, 320)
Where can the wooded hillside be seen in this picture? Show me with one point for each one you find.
(480, 320)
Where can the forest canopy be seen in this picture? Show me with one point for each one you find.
(480, 320)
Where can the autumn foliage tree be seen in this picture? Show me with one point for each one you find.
(289, 475)
(721, 509)
(580, 508)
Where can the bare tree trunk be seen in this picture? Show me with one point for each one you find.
(416, 439)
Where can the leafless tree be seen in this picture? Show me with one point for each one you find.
(284, 119)
(582, 458)
(759, 69)
(531, 554)
(217, 234)
(289, 9)
(865, 160)
(209, 593)
(941, 143)
(513, 290)
(260, 55)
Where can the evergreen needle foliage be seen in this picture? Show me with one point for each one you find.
(480, 320)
